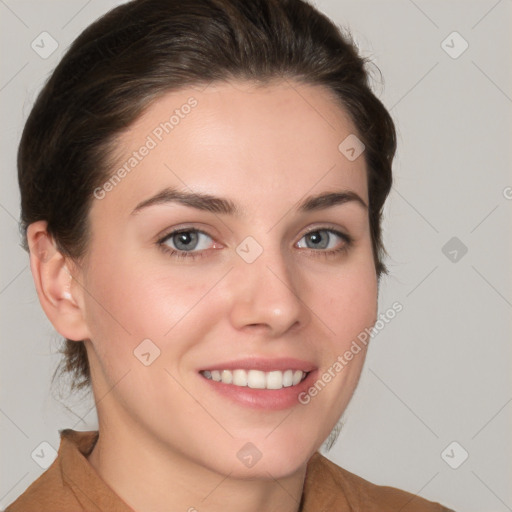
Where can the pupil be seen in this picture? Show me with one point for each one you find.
(316, 240)
(183, 240)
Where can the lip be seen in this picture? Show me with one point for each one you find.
(263, 364)
(262, 399)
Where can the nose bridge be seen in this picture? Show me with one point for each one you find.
(267, 291)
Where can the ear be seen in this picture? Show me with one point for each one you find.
(59, 296)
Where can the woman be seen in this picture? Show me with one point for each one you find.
(202, 186)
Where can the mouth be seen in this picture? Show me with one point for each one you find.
(260, 383)
(257, 379)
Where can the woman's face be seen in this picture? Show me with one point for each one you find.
(266, 280)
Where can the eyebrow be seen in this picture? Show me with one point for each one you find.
(213, 204)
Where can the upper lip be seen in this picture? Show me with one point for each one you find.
(263, 364)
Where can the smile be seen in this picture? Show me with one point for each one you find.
(257, 379)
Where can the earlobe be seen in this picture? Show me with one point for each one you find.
(53, 281)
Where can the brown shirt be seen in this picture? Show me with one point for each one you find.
(71, 484)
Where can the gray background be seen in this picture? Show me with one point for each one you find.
(440, 371)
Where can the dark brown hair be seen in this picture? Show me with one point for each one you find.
(145, 48)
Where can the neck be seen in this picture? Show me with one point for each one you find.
(131, 465)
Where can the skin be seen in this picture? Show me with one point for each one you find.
(162, 427)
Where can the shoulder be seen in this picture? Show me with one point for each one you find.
(329, 485)
(47, 491)
(52, 490)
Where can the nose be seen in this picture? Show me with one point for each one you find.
(266, 296)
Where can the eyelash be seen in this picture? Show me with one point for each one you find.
(193, 255)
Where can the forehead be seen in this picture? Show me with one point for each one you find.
(277, 141)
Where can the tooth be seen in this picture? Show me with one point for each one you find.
(297, 376)
(227, 376)
(287, 378)
(275, 380)
(256, 379)
(240, 378)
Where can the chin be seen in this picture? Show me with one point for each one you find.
(267, 458)
(272, 466)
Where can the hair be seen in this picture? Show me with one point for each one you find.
(143, 49)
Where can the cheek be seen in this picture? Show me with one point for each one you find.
(346, 301)
(129, 301)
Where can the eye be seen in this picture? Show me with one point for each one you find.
(325, 239)
(193, 243)
(186, 240)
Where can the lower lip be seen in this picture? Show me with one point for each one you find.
(269, 399)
